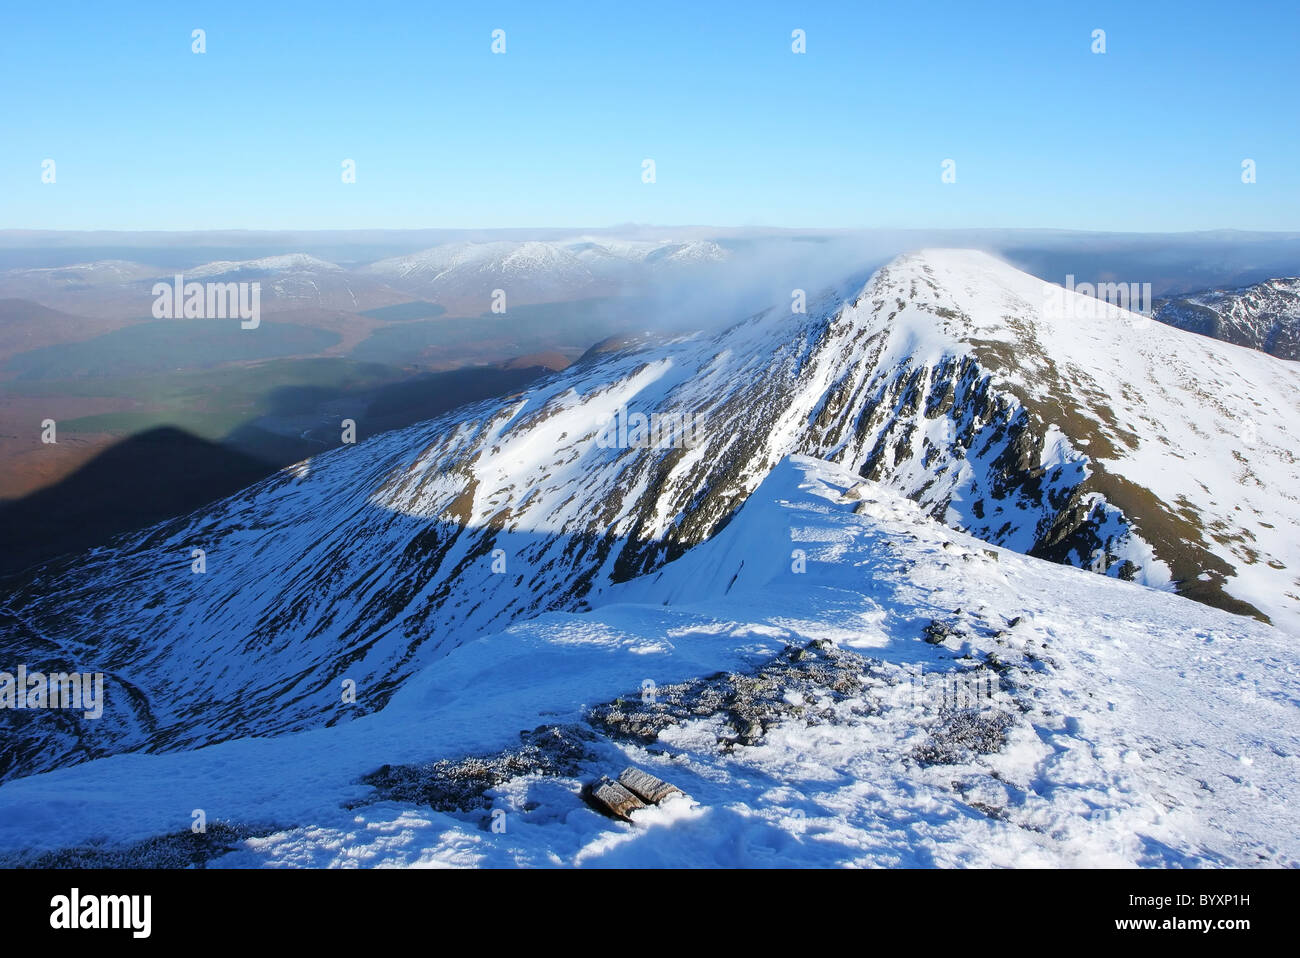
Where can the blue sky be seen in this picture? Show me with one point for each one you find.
(1150, 135)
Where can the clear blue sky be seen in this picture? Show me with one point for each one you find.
(1148, 136)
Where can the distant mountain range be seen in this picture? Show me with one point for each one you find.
(1265, 316)
(460, 276)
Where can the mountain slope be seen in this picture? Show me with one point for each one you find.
(1125, 726)
(949, 377)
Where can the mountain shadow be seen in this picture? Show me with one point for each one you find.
(144, 479)
(166, 472)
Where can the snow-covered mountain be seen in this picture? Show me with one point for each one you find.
(1003, 406)
(79, 287)
(539, 270)
(77, 275)
(1265, 316)
(901, 695)
(123, 288)
(288, 263)
(455, 270)
(296, 281)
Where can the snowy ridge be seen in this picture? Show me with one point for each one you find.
(947, 378)
(1139, 728)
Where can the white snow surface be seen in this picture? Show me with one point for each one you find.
(1149, 730)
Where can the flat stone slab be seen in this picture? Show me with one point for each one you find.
(613, 799)
(645, 786)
